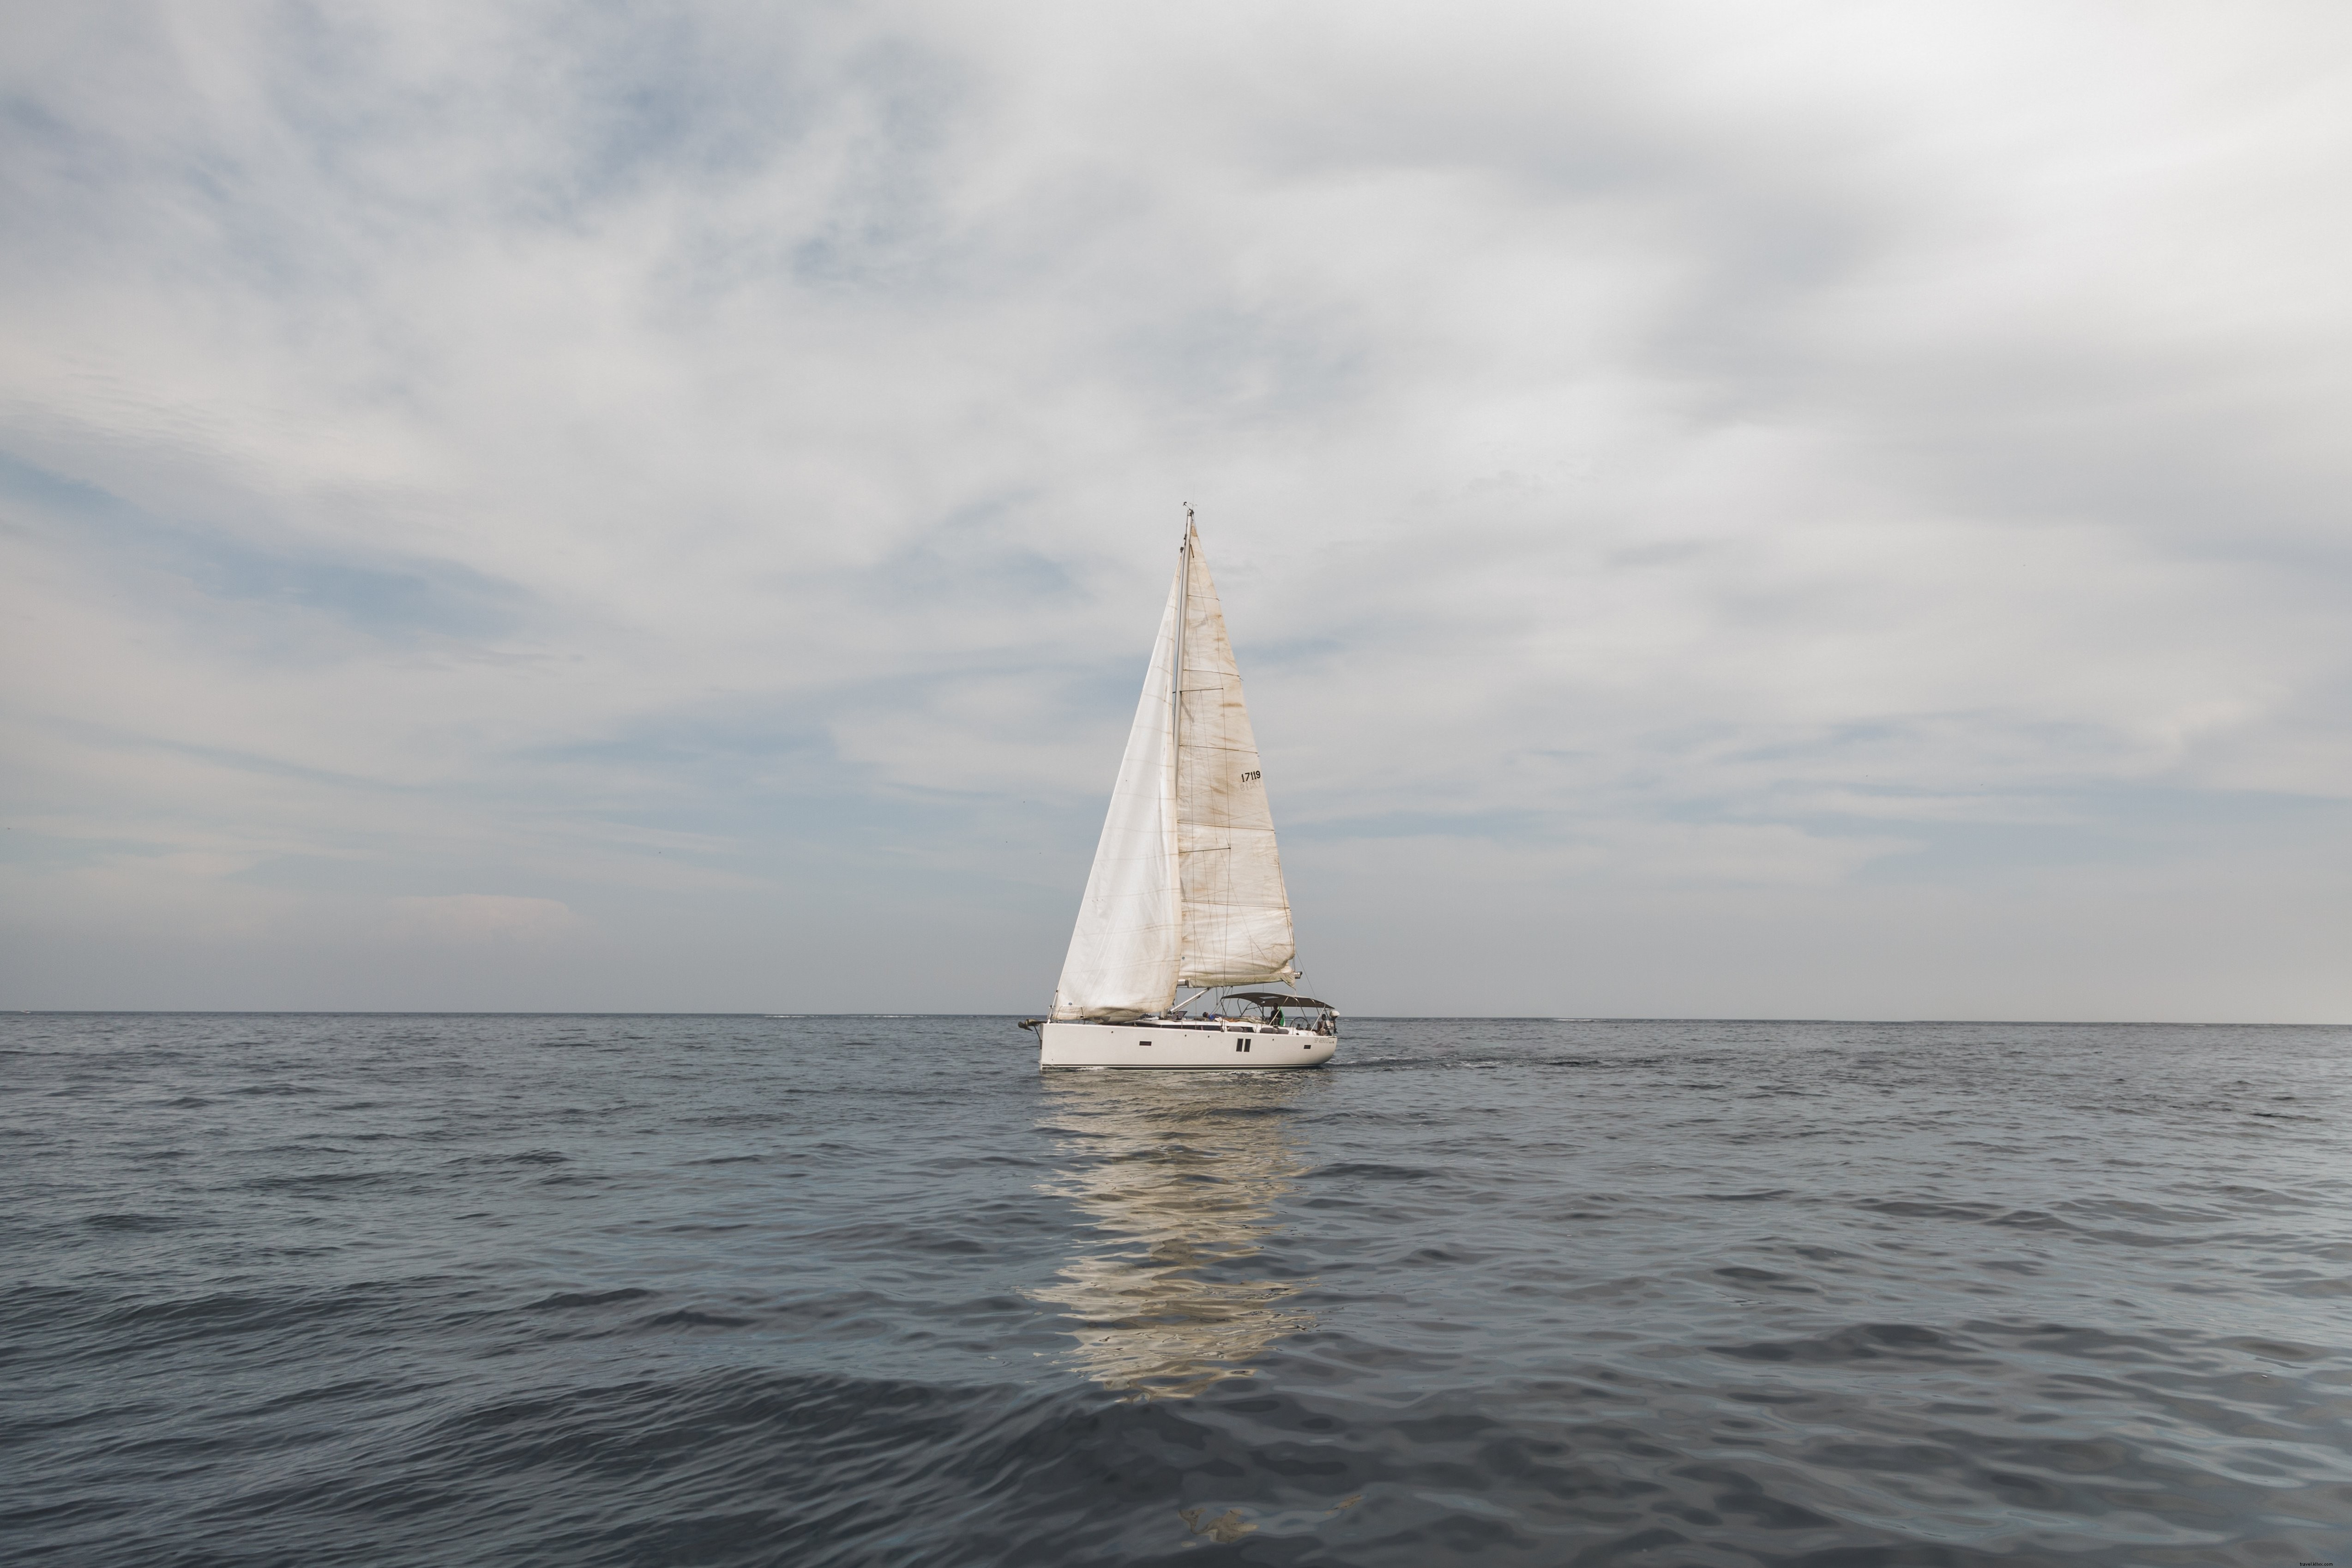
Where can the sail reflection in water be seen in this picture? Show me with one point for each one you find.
(1181, 1176)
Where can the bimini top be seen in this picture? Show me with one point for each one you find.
(1277, 999)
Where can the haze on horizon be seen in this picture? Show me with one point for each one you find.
(1807, 510)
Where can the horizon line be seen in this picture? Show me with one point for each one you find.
(1361, 1018)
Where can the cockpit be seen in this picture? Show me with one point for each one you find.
(1280, 1009)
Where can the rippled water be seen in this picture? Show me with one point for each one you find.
(424, 1290)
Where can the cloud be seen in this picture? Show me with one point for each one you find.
(714, 474)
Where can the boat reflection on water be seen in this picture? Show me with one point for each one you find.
(1180, 1173)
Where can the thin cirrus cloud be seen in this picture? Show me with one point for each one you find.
(1723, 510)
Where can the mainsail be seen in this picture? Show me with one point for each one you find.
(1236, 913)
(1186, 886)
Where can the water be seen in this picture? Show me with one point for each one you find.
(836, 1291)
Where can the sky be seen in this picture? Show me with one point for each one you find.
(1783, 510)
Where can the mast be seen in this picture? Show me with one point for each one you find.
(1176, 675)
(1176, 728)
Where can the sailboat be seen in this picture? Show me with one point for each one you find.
(1186, 890)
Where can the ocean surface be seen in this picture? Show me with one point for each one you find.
(395, 1290)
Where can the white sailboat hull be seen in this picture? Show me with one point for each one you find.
(1196, 1046)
